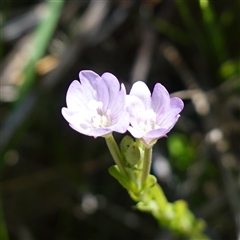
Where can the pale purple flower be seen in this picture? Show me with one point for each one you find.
(96, 105)
(152, 117)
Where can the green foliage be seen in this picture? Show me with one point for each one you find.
(181, 150)
(148, 194)
(229, 68)
(175, 216)
(115, 172)
(41, 39)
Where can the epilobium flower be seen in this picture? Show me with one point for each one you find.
(96, 105)
(152, 117)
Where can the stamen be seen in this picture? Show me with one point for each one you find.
(98, 117)
(148, 120)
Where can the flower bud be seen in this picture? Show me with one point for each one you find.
(133, 154)
(130, 150)
(125, 144)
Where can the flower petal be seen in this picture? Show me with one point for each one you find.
(89, 81)
(75, 99)
(169, 122)
(140, 90)
(177, 104)
(136, 132)
(154, 135)
(171, 116)
(103, 94)
(112, 86)
(117, 105)
(122, 125)
(98, 132)
(160, 99)
(157, 133)
(76, 118)
(135, 107)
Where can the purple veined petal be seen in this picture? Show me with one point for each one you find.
(166, 119)
(80, 129)
(111, 82)
(170, 121)
(117, 105)
(177, 104)
(98, 132)
(135, 107)
(89, 78)
(140, 90)
(68, 114)
(113, 88)
(157, 133)
(93, 132)
(136, 132)
(135, 124)
(102, 94)
(154, 135)
(160, 99)
(122, 124)
(76, 118)
(75, 99)
(75, 121)
(89, 81)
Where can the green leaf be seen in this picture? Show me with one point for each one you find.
(115, 172)
(151, 181)
(180, 207)
(159, 197)
(144, 207)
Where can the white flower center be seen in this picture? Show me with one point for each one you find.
(148, 120)
(99, 119)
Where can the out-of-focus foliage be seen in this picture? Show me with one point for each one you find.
(181, 150)
(54, 181)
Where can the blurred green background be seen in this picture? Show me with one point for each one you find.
(54, 181)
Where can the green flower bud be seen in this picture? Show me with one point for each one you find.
(133, 154)
(125, 144)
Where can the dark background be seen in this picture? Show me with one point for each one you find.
(54, 181)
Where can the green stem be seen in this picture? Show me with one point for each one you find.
(175, 216)
(147, 160)
(115, 152)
